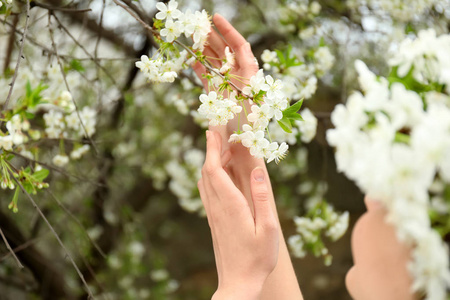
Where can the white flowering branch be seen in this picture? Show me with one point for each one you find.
(157, 34)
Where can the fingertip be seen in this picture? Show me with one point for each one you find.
(217, 17)
(258, 174)
(212, 150)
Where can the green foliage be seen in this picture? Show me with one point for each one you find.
(33, 95)
(76, 65)
(287, 58)
(290, 115)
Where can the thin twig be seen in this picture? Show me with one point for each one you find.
(61, 171)
(55, 234)
(62, 9)
(19, 58)
(65, 81)
(92, 273)
(84, 49)
(23, 246)
(10, 43)
(97, 44)
(63, 56)
(19, 264)
(75, 219)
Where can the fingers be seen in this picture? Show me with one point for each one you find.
(242, 49)
(226, 157)
(216, 43)
(217, 182)
(212, 57)
(231, 35)
(264, 217)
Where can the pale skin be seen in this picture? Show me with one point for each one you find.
(251, 254)
(281, 283)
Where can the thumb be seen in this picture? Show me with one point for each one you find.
(264, 217)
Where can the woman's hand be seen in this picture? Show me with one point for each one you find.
(241, 163)
(244, 67)
(245, 247)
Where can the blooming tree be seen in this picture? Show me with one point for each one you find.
(102, 121)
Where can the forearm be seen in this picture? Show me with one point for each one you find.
(282, 283)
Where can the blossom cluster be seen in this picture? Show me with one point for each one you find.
(394, 142)
(184, 176)
(192, 24)
(75, 125)
(17, 127)
(426, 57)
(403, 10)
(161, 70)
(299, 75)
(264, 95)
(172, 23)
(273, 102)
(298, 9)
(217, 109)
(45, 90)
(321, 219)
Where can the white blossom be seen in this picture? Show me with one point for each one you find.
(172, 30)
(308, 126)
(168, 11)
(60, 160)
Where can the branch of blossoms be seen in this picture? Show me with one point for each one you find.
(189, 50)
(264, 94)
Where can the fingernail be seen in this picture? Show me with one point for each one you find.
(258, 174)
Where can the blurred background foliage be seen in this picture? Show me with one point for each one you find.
(128, 213)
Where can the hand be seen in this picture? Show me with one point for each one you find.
(244, 68)
(245, 247)
(241, 163)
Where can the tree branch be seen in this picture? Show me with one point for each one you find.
(10, 249)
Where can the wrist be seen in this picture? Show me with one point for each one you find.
(244, 292)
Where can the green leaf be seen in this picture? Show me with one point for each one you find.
(322, 42)
(293, 108)
(280, 56)
(29, 115)
(33, 96)
(285, 124)
(28, 187)
(295, 117)
(28, 89)
(402, 138)
(76, 65)
(41, 174)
